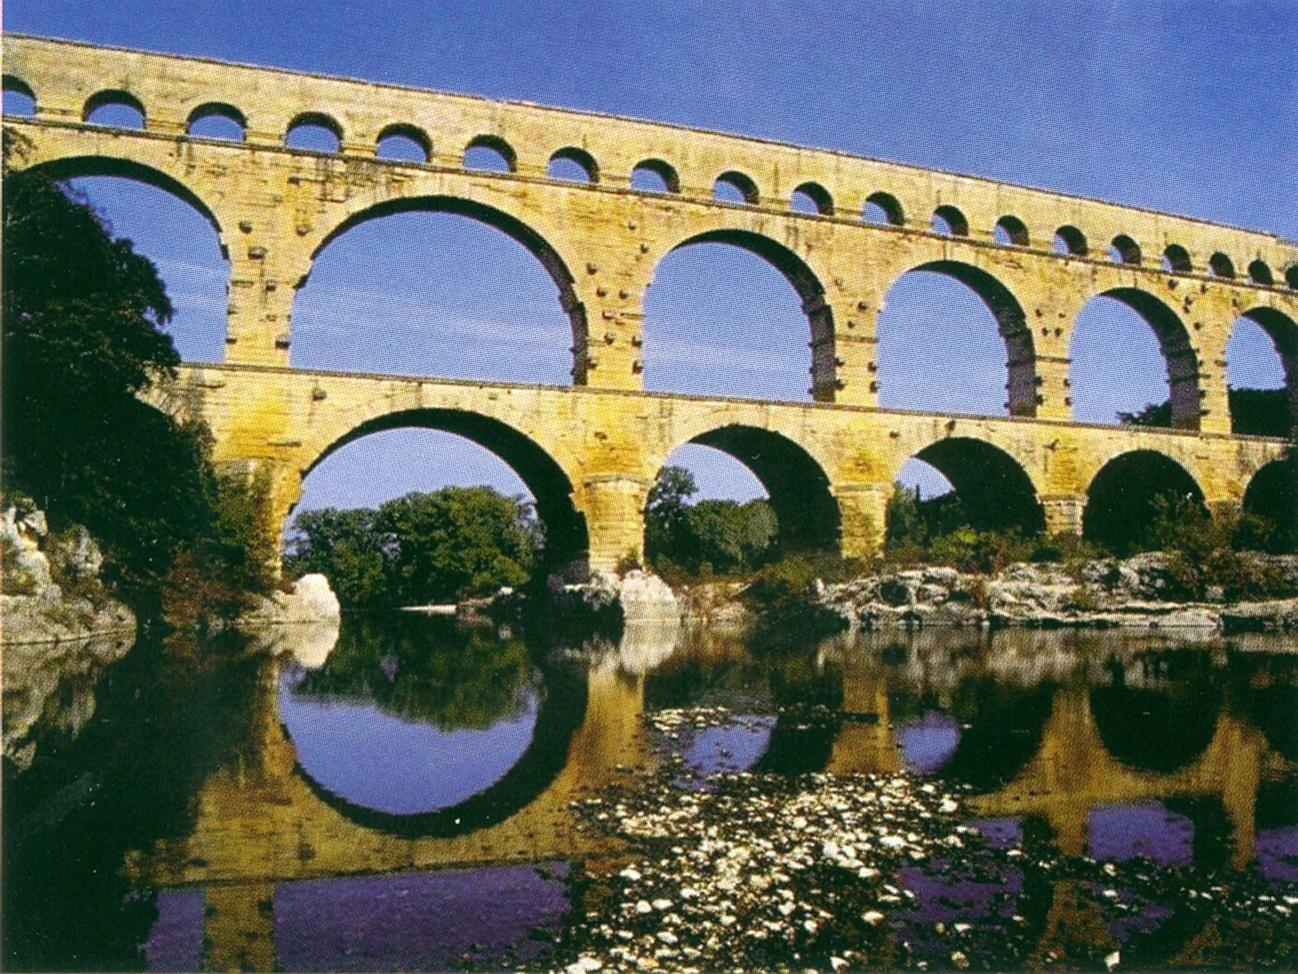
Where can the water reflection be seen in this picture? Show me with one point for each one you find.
(370, 797)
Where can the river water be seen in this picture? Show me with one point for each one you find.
(407, 793)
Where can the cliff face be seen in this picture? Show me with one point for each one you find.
(51, 591)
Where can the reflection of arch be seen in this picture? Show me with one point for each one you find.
(1003, 728)
(1121, 498)
(1273, 494)
(995, 491)
(1010, 321)
(1174, 341)
(560, 714)
(77, 167)
(566, 536)
(537, 245)
(795, 483)
(798, 745)
(1155, 730)
(114, 96)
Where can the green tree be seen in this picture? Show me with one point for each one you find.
(83, 340)
(347, 547)
(1253, 412)
(456, 542)
(728, 536)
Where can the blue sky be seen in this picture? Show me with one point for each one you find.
(1190, 107)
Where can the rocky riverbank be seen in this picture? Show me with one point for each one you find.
(1141, 592)
(52, 591)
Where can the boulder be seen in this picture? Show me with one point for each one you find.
(310, 601)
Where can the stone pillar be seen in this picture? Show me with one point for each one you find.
(1214, 411)
(608, 314)
(613, 504)
(1064, 513)
(1054, 387)
(261, 302)
(845, 360)
(864, 512)
(238, 927)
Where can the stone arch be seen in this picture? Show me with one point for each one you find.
(18, 86)
(805, 281)
(1174, 342)
(889, 208)
(796, 484)
(558, 718)
(580, 158)
(77, 167)
(1291, 277)
(1013, 230)
(1283, 332)
(495, 144)
(818, 197)
(1272, 494)
(405, 130)
(740, 183)
(1070, 241)
(1259, 272)
(1176, 259)
(1124, 250)
(1011, 321)
(1221, 266)
(316, 120)
(567, 540)
(114, 96)
(657, 168)
(217, 109)
(555, 265)
(995, 491)
(1121, 496)
(948, 221)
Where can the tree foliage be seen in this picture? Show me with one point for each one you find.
(422, 548)
(83, 339)
(1253, 412)
(721, 536)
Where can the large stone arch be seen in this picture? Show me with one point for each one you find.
(795, 481)
(540, 247)
(1272, 494)
(567, 539)
(1121, 495)
(84, 166)
(805, 280)
(1282, 329)
(995, 489)
(1011, 322)
(1178, 350)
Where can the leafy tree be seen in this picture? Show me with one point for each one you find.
(728, 536)
(346, 546)
(1253, 412)
(82, 320)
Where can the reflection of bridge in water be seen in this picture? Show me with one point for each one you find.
(264, 822)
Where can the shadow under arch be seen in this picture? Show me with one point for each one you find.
(511, 226)
(804, 281)
(1178, 354)
(560, 714)
(1123, 496)
(797, 488)
(995, 491)
(1011, 322)
(1156, 730)
(566, 538)
(79, 167)
(1272, 494)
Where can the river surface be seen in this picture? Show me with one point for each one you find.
(407, 793)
